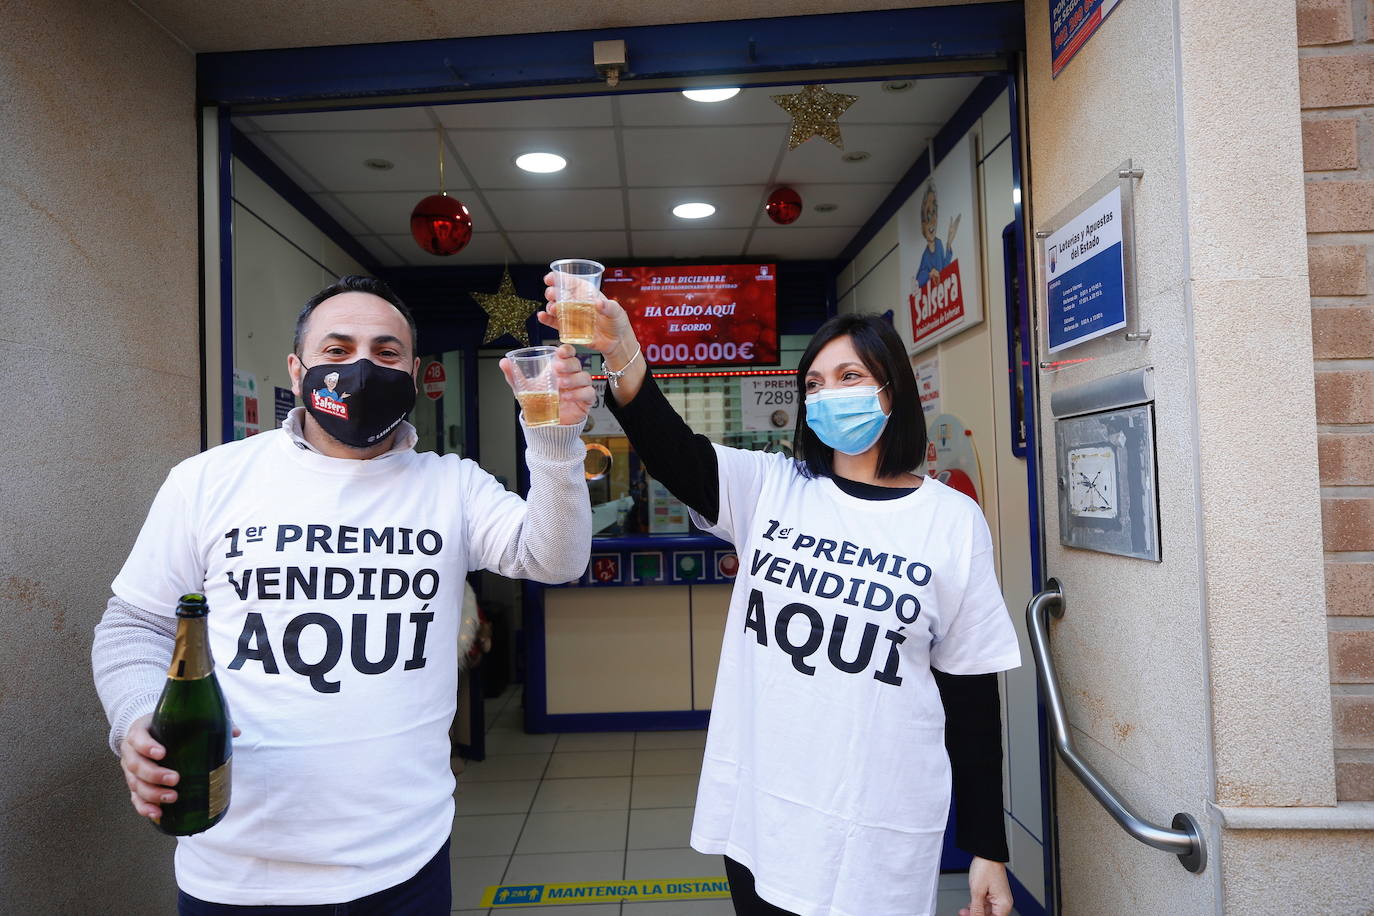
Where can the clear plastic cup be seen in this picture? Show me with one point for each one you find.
(536, 385)
(577, 289)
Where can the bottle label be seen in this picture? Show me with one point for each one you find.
(219, 788)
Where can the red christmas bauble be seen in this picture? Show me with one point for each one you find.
(784, 206)
(441, 224)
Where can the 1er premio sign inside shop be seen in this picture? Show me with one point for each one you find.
(713, 315)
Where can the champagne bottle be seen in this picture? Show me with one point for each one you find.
(192, 722)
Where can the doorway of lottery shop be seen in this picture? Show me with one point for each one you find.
(795, 168)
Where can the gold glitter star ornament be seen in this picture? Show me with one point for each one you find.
(815, 112)
(506, 312)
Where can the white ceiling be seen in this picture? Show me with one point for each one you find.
(631, 158)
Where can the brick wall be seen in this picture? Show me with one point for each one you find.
(1336, 65)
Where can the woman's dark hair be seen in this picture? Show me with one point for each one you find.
(902, 445)
(354, 284)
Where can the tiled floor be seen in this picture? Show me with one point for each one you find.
(587, 807)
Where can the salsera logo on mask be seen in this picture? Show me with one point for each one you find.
(358, 403)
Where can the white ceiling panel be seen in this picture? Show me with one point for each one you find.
(797, 242)
(677, 157)
(336, 159)
(667, 109)
(407, 118)
(674, 150)
(352, 225)
(558, 210)
(736, 207)
(490, 157)
(854, 203)
(690, 243)
(543, 247)
(928, 101)
(388, 212)
(380, 250)
(585, 112)
(892, 149)
(483, 248)
(303, 179)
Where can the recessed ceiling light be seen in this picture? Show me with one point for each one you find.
(710, 95)
(856, 156)
(693, 211)
(826, 208)
(896, 85)
(380, 165)
(542, 163)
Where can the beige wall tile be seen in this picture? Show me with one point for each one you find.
(1348, 524)
(1350, 589)
(1352, 656)
(1345, 396)
(1354, 777)
(1313, 871)
(1346, 459)
(1340, 206)
(1337, 80)
(1324, 22)
(1330, 144)
(1338, 270)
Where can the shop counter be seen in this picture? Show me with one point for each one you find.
(634, 643)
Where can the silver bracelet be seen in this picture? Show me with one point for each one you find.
(615, 375)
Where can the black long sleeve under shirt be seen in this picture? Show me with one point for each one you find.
(685, 463)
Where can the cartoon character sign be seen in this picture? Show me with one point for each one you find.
(329, 399)
(938, 254)
(941, 287)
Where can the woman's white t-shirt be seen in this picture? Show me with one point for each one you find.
(825, 769)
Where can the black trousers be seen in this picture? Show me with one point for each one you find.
(742, 894)
(428, 893)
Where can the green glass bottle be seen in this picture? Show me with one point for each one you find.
(192, 722)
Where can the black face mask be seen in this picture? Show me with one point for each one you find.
(364, 404)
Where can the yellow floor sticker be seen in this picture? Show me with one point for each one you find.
(606, 892)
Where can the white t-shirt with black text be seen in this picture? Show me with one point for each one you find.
(335, 590)
(825, 769)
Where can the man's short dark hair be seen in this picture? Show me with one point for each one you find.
(903, 442)
(355, 284)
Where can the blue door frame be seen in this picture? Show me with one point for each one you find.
(978, 39)
(390, 72)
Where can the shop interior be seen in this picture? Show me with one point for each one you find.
(583, 724)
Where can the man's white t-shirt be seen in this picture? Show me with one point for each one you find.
(335, 590)
(825, 769)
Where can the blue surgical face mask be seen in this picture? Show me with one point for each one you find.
(849, 420)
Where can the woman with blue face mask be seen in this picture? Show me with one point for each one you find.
(857, 686)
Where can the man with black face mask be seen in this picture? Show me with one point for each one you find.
(333, 557)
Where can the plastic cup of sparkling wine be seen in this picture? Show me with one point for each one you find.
(536, 385)
(577, 289)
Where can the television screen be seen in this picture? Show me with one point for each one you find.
(720, 315)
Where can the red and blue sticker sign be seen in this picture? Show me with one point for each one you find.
(1072, 23)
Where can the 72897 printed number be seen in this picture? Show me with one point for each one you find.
(775, 398)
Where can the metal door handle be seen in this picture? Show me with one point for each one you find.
(1185, 839)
